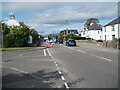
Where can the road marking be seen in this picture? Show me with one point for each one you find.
(77, 50)
(81, 51)
(19, 70)
(101, 57)
(58, 68)
(44, 50)
(15, 69)
(62, 77)
(59, 72)
(56, 64)
(66, 85)
(49, 53)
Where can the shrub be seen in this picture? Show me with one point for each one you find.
(78, 38)
(99, 40)
(115, 40)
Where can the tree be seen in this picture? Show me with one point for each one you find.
(35, 36)
(91, 20)
(15, 36)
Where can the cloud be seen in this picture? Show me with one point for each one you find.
(60, 0)
(50, 25)
(47, 16)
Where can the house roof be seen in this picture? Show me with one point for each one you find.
(95, 27)
(12, 22)
(74, 31)
(115, 21)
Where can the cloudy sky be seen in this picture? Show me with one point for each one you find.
(52, 17)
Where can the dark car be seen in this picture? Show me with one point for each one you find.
(71, 42)
(60, 41)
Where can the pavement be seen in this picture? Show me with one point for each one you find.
(61, 67)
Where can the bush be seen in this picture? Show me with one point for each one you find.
(78, 38)
(115, 40)
(99, 40)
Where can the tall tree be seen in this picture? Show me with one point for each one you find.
(91, 20)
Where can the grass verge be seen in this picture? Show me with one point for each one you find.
(16, 48)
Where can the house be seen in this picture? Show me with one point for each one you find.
(110, 31)
(94, 31)
(12, 21)
(70, 32)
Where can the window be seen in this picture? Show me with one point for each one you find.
(28, 39)
(105, 29)
(98, 32)
(113, 28)
(113, 37)
(83, 32)
(105, 37)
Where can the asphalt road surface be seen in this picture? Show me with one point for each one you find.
(61, 67)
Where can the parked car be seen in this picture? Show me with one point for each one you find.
(60, 41)
(71, 42)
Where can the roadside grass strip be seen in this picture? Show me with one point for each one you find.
(16, 48)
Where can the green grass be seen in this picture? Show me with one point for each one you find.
(15, 48)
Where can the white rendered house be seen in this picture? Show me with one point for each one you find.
(110, 30)
(93, 31)
(13, 22)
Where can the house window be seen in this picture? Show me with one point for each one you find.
(105, 37)
(83, 32)
(98, 32)
(105, 29)
(28, 39)
(113, 37)
(113, 28)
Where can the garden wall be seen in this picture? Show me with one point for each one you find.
(107, 44)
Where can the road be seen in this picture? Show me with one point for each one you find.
(61, 67)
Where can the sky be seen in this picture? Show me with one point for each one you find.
(52, 17)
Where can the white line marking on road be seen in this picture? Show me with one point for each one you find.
(49, 53)
(44, 50)
(63, 78)
(66, 85)
(56, 64)
(101, 57)
(59, 72)
(19, 70)
(81, 51)
(15, 69)
(58, 68)
(77, 50)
